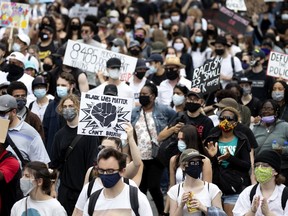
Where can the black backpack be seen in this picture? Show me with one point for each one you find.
(284, 196)
(133, 194)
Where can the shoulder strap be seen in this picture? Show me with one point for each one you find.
(7, 155)
(233, 64)
(179, 185)
(253, 192)
(284, 197)
(71, 146)
(133, 192)
(16, 150)
(92, 201)
(31, 104)
(126, 181)
(90, 186)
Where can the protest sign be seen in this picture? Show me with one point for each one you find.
(278, 65)
(14, 15)
(230, 21)
(3, 129)
(255, 6)
(274, 0)
(82, 12)
(103, 115)
(207, 76)
(236, 5)
(31, 2)
(93, 59)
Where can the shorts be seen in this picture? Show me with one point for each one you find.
(230, 199)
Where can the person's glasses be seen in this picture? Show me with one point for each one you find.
(170, 70)
(85, 31)
(228, 118)
(107, 171)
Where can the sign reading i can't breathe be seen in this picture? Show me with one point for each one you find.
(206, 77)
(103, 115)
(278, 65)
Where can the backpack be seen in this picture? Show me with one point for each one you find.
(284, 196)
(133, 194)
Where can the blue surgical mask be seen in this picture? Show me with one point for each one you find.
(198, 39)
(62, 91)
(151, 70)
(277, 95)
(39, 93)
(181, 145)
(109, 180)
(178, 99)
(115, 49)
(16, 47)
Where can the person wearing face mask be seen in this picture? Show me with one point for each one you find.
(36, 185)
(178, 98)
(229, 152)
(175, 19)
(193, 194)
(115, 193)
(261, 83)
(47, 46)
(87, 34)
(279, 93)
(140, 35)
(148, 120)
(231, 66)
(19, 91)
(156, 72)
(269, 189)
(172, 67)
(118, 46)
(271, 129)
(134, 49)
(80, 158)
(113, 67)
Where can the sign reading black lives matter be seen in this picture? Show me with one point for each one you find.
(206, 77)
(278, 65)
(102, 115)
(93, 59)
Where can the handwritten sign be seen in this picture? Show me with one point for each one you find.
(14, 15)
(103, 115)
(3, 129)
(93, 59)
(236, 5)
(82, 12)
(230, 21)
(207, 76)
(255, 6)
(278, 65)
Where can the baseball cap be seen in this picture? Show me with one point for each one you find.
(156, 58)
(113, 13)
(244, 80)
(113, 62)
(103, 22)
(173, 61)
(39, 80)
(196, 92)
(30, 64)
(18, 56)
(133, 44)
(141, 64)
(118, 42)
(157, 47)
(4, 85)
(110, 89)
(7, 102)
(220, 40)
(258, 53)
(227, 102)
(24, 38)
(189, 154)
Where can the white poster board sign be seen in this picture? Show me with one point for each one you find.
(103, 115)
(82, 12)
(93, 59)
(236, 5)
(278, 65)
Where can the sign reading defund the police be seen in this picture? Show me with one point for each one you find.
(93, 59)
(102, 115)
(278, 65)
(206, 77)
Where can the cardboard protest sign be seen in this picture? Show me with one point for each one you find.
(82, 12)
(103, 115)
(255, 6)
(14, 15)
(4, 124)
(236, 5)
(278, 65)
(207, 76)
(230, 21)
(93, 59)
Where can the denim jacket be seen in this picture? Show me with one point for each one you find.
(162, 115)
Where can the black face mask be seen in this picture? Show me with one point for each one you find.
(140, 75)
(210, 32)
(15, 72)
(219, 52)
(134, 52)
(43, 36)
(175, 34)
(144, 100)
(192, 107)
(21, 102)
(47, 67)
(128, 26)
(140, 39)
(194, 169)
(75, 27)
(171, 75)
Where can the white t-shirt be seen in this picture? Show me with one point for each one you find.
(136, 87)
(49, 207)
(39, 110)
(205, 196)
(243, 204)
(119, 205)
(82, 199)
(200, 57)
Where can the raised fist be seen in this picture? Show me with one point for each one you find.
(105, 113)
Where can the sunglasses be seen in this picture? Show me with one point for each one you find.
(85, 31)
(228, 118)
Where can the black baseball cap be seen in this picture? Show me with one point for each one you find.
(110, 89)
(113, 63)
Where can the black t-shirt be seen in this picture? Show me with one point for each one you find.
(157, 79)
(72, 172)
(47, 50)
(261, 84)
(254, 105)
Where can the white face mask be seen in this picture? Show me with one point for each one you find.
(113, 19)
(175, 18)
(115, 49)
(178, 46)
(178, 99)
(26, 186)
(16, 47)
(284, 16)
(114, 73)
